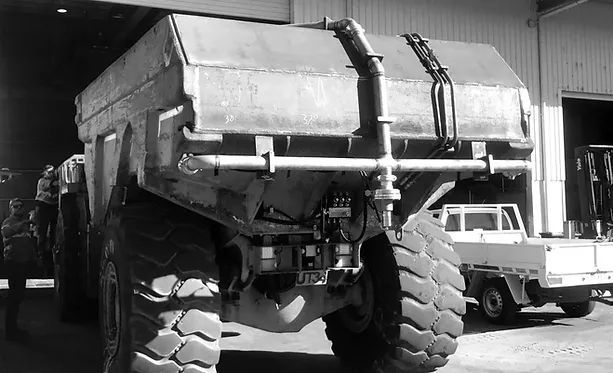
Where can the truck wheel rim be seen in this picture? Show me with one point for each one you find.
(111, 313)
(492, 302)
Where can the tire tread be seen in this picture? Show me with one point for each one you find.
(422, 333)
(173, 319)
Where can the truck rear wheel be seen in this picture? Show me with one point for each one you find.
(412, 306)
(578, 309)
(158, 294)
(497, 304)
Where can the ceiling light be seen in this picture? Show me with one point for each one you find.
(62, 10)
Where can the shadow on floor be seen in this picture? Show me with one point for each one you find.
(474, 322)
(233, 361)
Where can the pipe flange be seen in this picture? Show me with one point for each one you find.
(384, 178)
(387, 194)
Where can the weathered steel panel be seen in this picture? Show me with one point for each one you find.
(285, 49)
(137, 67)
(261, 79)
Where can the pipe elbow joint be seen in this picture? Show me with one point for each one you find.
(375, 67)
(348, 25)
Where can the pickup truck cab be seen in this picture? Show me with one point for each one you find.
(506, 270)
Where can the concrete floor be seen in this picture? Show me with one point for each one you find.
(542, 340)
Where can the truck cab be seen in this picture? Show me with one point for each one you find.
(485, 223)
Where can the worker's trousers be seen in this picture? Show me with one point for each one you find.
(46, 216)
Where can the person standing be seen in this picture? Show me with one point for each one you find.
(18, 257)
(46, 214)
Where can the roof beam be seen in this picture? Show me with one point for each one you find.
(548, 8)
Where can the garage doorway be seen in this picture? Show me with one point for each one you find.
(587, 121)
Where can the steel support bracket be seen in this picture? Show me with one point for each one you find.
(381, 119)
(490, 164)
(270, 161)
(264, 147)
(374, 55)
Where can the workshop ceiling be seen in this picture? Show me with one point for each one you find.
(69, 49)
(84, 9)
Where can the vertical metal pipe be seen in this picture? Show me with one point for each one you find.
(376, 73)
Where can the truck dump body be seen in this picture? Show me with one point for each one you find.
(230, 81)
(295, 164)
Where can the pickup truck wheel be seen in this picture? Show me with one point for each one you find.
(578, 309)
(416, 307)
(496, 302)
(158, 296)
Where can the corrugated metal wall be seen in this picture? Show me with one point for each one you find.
(501, 23)
(577, 56)
(269, 10)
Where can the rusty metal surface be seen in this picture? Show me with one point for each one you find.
(264, 79)
(227, 81)
(256, 46)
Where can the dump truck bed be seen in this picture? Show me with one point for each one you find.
(204, 86)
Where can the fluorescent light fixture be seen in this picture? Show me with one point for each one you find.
(62, 10)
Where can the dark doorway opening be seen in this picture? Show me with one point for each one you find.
(586, 122)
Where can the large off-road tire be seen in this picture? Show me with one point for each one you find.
(496, 302)
(412, 306)
(69, 295)
(158, 294)
(578, 309)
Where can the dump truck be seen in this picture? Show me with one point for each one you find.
(271, 175)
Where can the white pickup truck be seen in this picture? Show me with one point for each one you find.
(506, 270)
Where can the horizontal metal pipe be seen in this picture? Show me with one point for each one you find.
(255, 163)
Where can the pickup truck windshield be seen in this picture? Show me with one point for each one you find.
(484, 220)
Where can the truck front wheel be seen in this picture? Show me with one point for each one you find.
(496, 303)
(412, 304)
(578, 309)
(158, 296)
